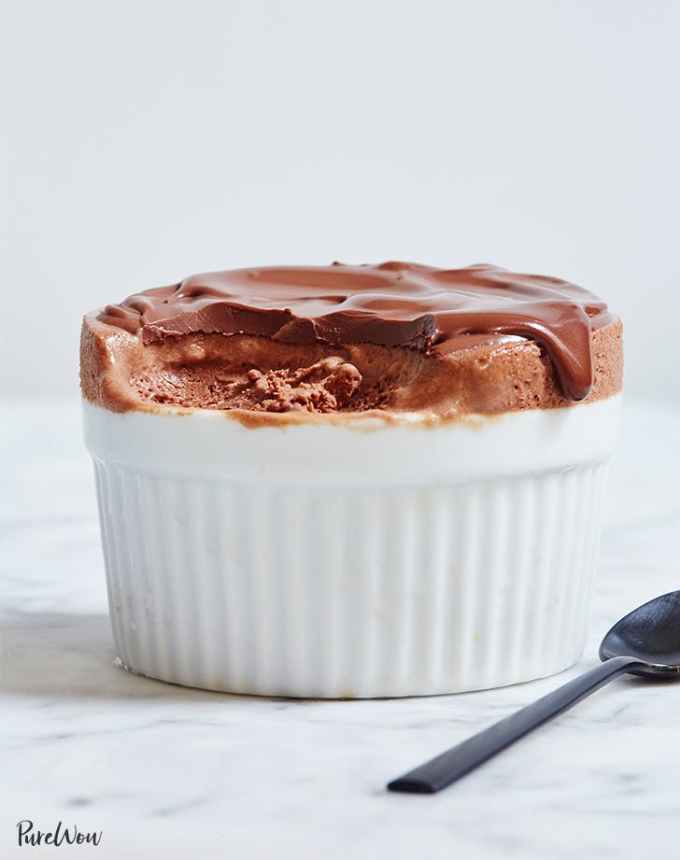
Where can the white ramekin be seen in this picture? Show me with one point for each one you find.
(356, 560)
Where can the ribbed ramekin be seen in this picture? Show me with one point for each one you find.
(356, 560)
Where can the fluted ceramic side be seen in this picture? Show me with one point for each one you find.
(349, 591)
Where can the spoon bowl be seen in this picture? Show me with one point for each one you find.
(651, 633)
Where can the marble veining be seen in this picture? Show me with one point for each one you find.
(169, 772)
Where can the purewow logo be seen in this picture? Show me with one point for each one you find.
(28, 834)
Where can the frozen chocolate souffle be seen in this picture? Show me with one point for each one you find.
(351, 481)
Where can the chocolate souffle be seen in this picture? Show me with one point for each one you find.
(396, 338)
(351, 481)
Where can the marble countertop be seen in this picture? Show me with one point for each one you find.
(175, 773)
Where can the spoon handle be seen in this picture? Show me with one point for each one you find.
(466, 756)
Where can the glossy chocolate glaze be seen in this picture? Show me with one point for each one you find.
(391, 304)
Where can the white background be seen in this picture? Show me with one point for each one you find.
(146, 141)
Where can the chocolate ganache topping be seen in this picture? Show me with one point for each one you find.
(392, 304)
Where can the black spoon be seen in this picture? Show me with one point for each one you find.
(646, 642)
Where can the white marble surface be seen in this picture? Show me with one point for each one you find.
(175, 773)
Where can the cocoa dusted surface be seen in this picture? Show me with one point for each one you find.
(385, 340)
